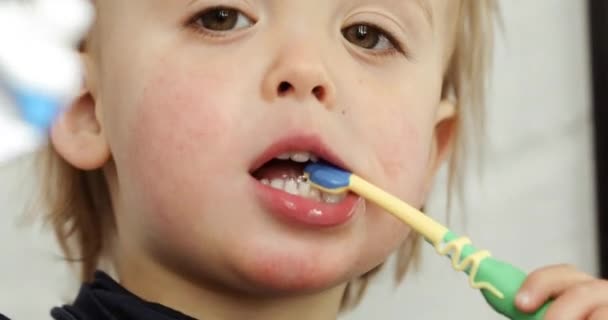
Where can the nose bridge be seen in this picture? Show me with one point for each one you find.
(298, 69)
(304, 68)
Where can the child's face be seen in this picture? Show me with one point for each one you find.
(189, 113)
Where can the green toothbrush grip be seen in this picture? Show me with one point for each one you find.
(508, 280)
(504, 277)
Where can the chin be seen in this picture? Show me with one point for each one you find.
(291, 273)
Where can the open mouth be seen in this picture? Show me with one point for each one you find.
(285, 172)
(280, 185)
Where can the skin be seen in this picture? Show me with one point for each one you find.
(175, 114)
(576, 295)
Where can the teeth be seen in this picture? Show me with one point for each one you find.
(332, 198)
(302, 188)
(291, 187)
(278, 184)
(284, 156)
(300, 156)
(315, 195)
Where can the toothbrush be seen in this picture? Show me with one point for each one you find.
(498, 281)
(40, 70)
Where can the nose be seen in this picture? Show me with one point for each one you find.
(299, 74)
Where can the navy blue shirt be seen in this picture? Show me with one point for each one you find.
(105, 299)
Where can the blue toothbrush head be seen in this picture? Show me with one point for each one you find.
(327, 177)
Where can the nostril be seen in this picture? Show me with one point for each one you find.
(319, 92)
(284, 87)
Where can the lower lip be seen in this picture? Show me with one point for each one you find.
(305, 211)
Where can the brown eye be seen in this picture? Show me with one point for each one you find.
(223, 19)
(368, 37)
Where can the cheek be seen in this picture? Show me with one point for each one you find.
(401, 144)
(406, 162)
(183, 113)
(394, 115)
(167, 137)
(403, 149)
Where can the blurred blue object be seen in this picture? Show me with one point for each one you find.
(40, 67)
(38, 109)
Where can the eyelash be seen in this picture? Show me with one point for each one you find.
(192, 23)
(398, 48)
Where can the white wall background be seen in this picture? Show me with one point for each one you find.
(532, 206)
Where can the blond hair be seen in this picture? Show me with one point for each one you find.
(79, 202)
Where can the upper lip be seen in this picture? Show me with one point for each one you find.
(307, 143)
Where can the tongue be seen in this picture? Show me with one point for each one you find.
(277, 169)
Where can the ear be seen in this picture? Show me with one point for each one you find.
(443, 138)
(78, 134)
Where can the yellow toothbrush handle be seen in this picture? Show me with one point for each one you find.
(499, 281)
(424, 225)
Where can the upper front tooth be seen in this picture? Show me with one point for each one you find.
(284, 156)
(300, 156)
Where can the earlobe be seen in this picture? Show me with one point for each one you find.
(78, 136)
